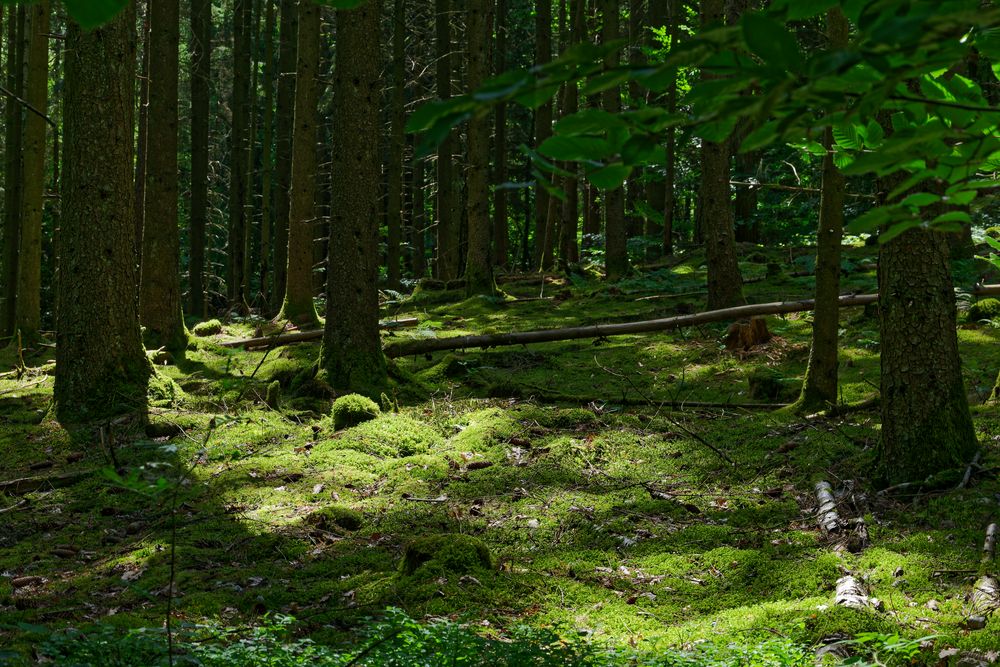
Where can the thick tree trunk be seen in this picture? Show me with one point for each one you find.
(284, 128)
(819, 388)
(201, 71)
(160, 288)
(101, 367)
(240, 154)
(543, 128)
(266, 153)
(298, 306)
(615, 232)
(501, 230)
(569, 250)
(141, 135)
(29, 267)
(448, 224)
(725, 284)
(397, 117)
(13, 120)
(352, 351)
(478, 268)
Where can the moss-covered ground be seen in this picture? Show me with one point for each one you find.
(605, 511)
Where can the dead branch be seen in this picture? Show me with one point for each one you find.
(306, 336)
(24, 485)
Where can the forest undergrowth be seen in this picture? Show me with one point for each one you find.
(550, 499)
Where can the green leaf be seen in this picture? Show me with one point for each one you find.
(962, 197)
(921, 199)
(953, 216)
(771, 42)
(846, 136)
(642, 150)
(589, 121)
(609, 177)
(897, 229)
(575, 149)
(342, 4)
(764, 135)
(93, 13)
(870, 220)
(802, 9)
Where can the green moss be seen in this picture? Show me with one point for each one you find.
(163, 391)
(993, 232)
(985, 309)
(768, 384)
(390, 435)
(353, 409)
(456, 554)
(337, 516)
(207, 328)
(273, 397)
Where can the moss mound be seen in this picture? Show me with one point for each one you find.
(446, 554)
(987, 309)
(767, 384)
(391, 435)
(353, 409)
(336, 516)
(163, 392)
(207, 328)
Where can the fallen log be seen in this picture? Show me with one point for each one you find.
(851, 593)
(306, 336)
(19, 487)
(424, 346)
(826, 515)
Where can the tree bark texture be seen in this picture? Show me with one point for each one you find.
(615, 232)
(13, 119)
(284, 128)
(397, 145)
(201, 75)
(448, 224)
(240, 154)
(543, 125)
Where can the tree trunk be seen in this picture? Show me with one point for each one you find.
(615, 232)
(352, 351)
(418, 219)
(543, 127)
(448, 227)
(725, 284)
(284, 127)
(201, 75)
(478, 268)
(101, 366)
(394, 205)
(267, 168)
(501, 230)
(819, 389)
(160, 289)
(240, 153)
(569, 251)
(29, 266)
(298, 306)
(141, 135)
(13, 120)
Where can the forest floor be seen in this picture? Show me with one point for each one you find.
(608, 513)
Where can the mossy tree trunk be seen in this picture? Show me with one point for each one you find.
(448, 224)
(101, 366)
(397, 118)
(569, 250)
(284, 128)
(160, 287)
(352, 347)
(725, 284)
(819, 389)
(29, 266)
(615, 230)
(13, 119)
(201, 70)
(478, 268)
(543, 125)
(141, 134)
(501, 231)
(239, 175)
(298, 306)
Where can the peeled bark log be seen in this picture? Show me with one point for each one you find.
(827, 516)
(850, 593)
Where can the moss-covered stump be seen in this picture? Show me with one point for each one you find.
(446, 554)
(353, 409)
(273, 397)
(336, 516)
(987, 309)
(207, 328)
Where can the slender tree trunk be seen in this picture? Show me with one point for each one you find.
(201, 75)
(160, 290)
(543, 124)
(569, 251)
(13, 120)
(478, 268)
(725, 284)
(352, 348)
(267, 168)
(615, 232)
(285, 122)
(448, 224)
(819, 389)
(670, 169)
(397, 144)
(101, 367)
(240, 153)
(501, 241)
(141, 136)
(298, 306)
(29, 278)
(418, 219)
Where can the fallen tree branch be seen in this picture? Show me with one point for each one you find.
(24, 485)
(306, 336)
(424, 346)
(827, 516)
(968, 471)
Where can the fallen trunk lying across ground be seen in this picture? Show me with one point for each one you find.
(425, 345)
(306, 336)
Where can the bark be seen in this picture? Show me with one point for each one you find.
(448, 225)
(160, 287)
(352, 351)
(267, 169)
(418, 219)
(827, 516)
(101, 366)
(141, 134)
(478, 267)
(240, 153)
(394, 205)
(29, 267)
(819, 389)
(501, 228)
(725, 284)
(670, 168)
(298, 306)
(615, 232)
(543, 126)
(569, 250)
(284, 124)
(265, 342)
(201, 71)
(13, 120)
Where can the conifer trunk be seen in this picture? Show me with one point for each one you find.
(352, 349)
(13, 119)
(418, 219)
(284, 124)
(239, 153)
(500, 224)
(266, 153)
(101, 367)
(615, 232)
(397, 119)
(141, 134)
(448, 224)
(201, 70)
(543, 125)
